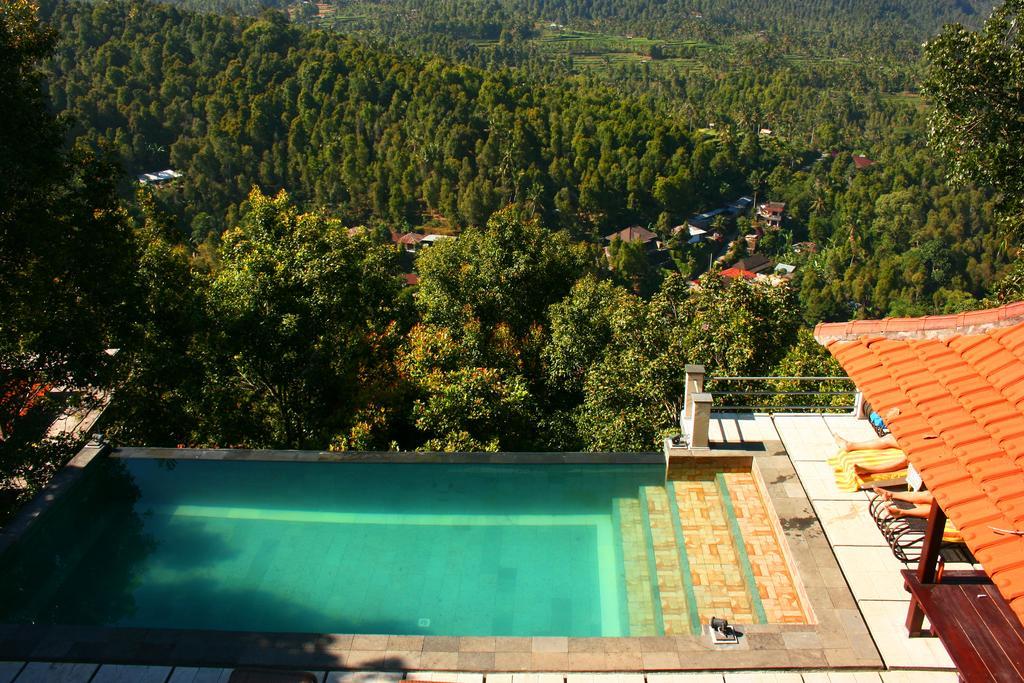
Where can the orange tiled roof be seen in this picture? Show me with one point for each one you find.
(959, 391)
(930, 326)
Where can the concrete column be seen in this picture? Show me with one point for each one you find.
(694, 385)
(701, 421)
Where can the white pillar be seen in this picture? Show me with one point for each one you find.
(700, 423)
(694, 385)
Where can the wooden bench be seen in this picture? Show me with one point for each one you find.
(982, 635)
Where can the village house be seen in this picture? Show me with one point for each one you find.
(771, 213)
(862, 162)
(431, 240)
(756, 263)
(635, 233)
(158, 177)
(409, 241)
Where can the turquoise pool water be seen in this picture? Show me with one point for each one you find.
(517, 550)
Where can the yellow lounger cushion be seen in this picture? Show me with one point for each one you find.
(848, 480)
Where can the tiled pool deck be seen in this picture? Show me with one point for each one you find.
(858, 634)
(42, 672)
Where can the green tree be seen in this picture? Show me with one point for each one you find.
(66, 250)
(977, 118)
(509, 272)
(634, 393)
(293, 307)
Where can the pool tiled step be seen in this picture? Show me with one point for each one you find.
(638, 578)
(771, 571)
(666, 559)
(720, 574)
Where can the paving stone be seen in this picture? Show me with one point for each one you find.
(806, 437)
(762, 677)
(604, 678)
(515, 644)
(550, 645)
(848, 523)
(512, 661)
(588, 661)
(765, 641)
(538, 678)
(842, 677)
(402, 659)
(873, 573)
(365, 659)
(199, 675)
(404, 643)
(919, 677)
(439, 660)
(370, 642)
(440, 644)
(498, 678)
(8, 671)
(45, 672)
(885, 620)
(476, 644)
(448, 676)
(625, 661)
(661, 660)
(476, 660)
(364, 677)
(684, 678)
(807, 659)
(119, 673)
(549, 661)
(588, 645)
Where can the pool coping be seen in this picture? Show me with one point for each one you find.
(59, 484)
(839, 638)
(393, 457)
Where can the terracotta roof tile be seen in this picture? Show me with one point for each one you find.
(958, 382)
(939, 326)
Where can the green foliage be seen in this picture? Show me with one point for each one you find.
(977, 117)
(634, 392)
(257, 319)
(292, 305)
(581, 329)
(467, 401)
(476, 359)
(738, 327)
(508, 273)
(808, 358)
(66, 252)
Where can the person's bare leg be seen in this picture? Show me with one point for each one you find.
(921, 511)
(916, 497)
(881, 443)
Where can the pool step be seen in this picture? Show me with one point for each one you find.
(640, 602)
(723, 584)
(776, 587)
(664, 556)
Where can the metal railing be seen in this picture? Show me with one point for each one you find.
(730, 399)
(699, 401)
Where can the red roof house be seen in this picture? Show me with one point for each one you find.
(862, 162)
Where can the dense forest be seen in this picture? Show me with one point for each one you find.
(398, 141)
(260, 299)
(850, 26)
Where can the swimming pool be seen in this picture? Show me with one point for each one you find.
(243, 541)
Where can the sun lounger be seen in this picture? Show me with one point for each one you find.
(905, 535)
(847, 478)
